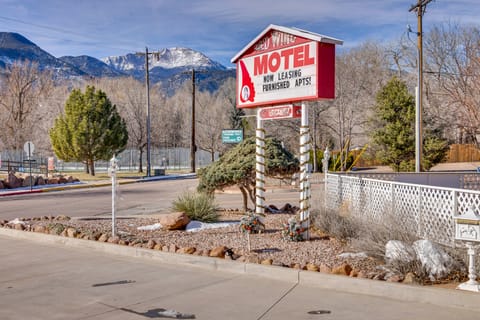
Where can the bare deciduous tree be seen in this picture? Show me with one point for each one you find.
(23, 89)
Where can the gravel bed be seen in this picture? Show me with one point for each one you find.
(319, 250)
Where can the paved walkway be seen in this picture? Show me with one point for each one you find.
(52, 281)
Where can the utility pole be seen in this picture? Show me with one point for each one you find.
(193, 146)
(420, 8)
(147, 88)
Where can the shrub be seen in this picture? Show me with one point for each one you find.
(251, 224)
(197, 205)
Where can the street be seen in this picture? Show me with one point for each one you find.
(133, 199)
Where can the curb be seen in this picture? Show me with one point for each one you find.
(408, 293)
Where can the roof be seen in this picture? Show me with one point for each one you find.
(295, 31)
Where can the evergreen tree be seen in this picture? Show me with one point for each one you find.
(237, 168)
(235, 117)
(91, 129)
(394, 130)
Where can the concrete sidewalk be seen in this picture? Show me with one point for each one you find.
(51, 277)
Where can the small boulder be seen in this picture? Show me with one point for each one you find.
(267, 262)
(172, 248)
(312, 267)
(158, 246)
(103, 238)
(187, 250)
(28, 181)
(325, 269)
(398, 250)
(218, 252)
(434, 259)
(344, 269)
(174, 221)
(150, 244)
(72, 232)
(40, 181)
(1, 185)
(13, 181)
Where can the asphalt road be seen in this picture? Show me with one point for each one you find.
(151, 197)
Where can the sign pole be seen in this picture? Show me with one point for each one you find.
(113, 170)
(259, 166)
(304, 181)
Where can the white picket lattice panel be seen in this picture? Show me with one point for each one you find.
(427, 211)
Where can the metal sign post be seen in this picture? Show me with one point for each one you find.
(113, 172)
(29, 147)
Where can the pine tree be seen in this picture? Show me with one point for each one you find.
(90, 129)
(394, 130)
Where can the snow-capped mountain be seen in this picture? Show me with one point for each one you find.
(168, 67)
(171, 58)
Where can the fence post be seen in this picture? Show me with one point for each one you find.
(392, 194)
(454, 203)
(419, 210)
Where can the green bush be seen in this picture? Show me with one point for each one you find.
(197, 205)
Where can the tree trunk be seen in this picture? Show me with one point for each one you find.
(87, 169)
(140, 160)
(212, 156)
(92, 167)
(245, 198)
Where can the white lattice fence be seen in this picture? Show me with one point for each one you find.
(426, 210)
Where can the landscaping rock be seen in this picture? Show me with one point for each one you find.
(172, 248)
(312, 267)
(40, 181)
(218, 252)
(150, 244)
(325, 269)
(344, 269)
(103, 238)
(410, 278)
(267, 262)
(434, 259)
(398, 250)
(72, 232)
(174, 221)
(187, 250)
(28, 181)
(13, 181)
(1, 185)
(158, 246)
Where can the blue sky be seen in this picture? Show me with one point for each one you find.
(218, 28)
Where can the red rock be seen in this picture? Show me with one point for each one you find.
(187, 250)
(344, 269)
(218, 252)
(174, 221)
(312, 267)
(325, 269)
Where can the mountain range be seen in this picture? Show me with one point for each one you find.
(170, 68)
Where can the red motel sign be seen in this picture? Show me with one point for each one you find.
(285, 65)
